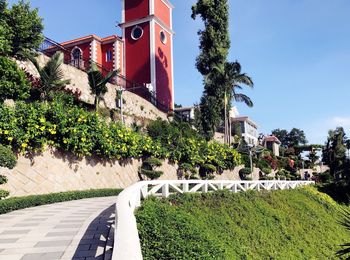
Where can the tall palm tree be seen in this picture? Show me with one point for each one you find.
(229, 78)
(98, 83)
(51, 75)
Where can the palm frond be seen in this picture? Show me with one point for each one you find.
(243, 98)
(244, 79)
(345, 222)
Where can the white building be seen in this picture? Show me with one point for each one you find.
(247, 128)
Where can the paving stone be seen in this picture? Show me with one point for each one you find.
(59, 234)
(25, 224)
(14, 232)
(53, 243)
(67, 226)
(43, 256)
(8, 240)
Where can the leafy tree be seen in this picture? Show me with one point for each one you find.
(296, 137)
(13, 83)
(334, 153)
(98, 83)
(214, 47)
(51, 75)
(282, 135)
(26, 28)
(5, 32)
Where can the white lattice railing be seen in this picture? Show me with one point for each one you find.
(126, 240)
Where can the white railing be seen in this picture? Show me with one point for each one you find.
(126, 240)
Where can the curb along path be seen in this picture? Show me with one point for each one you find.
(76, 230)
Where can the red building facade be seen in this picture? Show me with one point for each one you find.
(144, 53)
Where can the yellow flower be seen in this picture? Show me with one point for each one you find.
(36, 126)
(42, 120)
(83, 139)
(6, 132)
(10, 138)
(24, 145)
(42, 128)
(65, 141)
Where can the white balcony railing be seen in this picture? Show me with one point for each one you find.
(127, 242)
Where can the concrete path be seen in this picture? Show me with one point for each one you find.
(69, 230)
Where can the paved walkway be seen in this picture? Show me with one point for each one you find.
(69, 230)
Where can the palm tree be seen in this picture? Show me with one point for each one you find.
(229, 77)
(51, 75)
(98, 83)
(346, 223)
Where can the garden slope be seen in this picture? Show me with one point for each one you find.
(290, 224)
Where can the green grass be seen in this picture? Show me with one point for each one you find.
(290, 224)
(15, 203)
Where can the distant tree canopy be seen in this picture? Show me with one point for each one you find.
(292, 139)
(20, 29)
(334, 153)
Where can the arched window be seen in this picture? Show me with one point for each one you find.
(77, 58)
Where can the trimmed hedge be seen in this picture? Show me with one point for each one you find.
(7, 158)
(16, 203)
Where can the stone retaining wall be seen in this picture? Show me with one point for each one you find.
(54, 171)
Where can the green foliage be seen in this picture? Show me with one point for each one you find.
(248, 225)
(25, 27)
(7, 160)
(214, 47)
(30, 127)
(3, 179)
(148, 168)
(13, 83)
(98, 83)
(244, 172)
(346, 223)
(51, 75)
(167, 234)
(5, 35)
(181, 144)
(292, 139)
(16, 203)
(334, 154)
(3, 194)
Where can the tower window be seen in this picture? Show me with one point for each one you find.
(136, 33)
(163, 37)
(109, 55)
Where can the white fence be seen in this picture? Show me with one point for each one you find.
(126, 241)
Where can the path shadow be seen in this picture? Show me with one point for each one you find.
(93, 243)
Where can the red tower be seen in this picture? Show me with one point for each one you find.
(148, 48)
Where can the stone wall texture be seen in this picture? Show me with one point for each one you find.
(55, 171)
(134, 107)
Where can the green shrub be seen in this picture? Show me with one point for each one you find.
(7, 158)
(3, 194)
(16, 203)
(148, 168)
(244, 172)
(3, 179)
(13, 83)
(267, 170)
(207, 170)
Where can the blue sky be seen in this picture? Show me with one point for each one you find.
(296, 51)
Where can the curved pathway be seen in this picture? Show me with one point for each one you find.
(76, 230)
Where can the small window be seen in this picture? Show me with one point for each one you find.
(109, 55)
(163, 37)
(136, 33)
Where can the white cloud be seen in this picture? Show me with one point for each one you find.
(341, 121)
